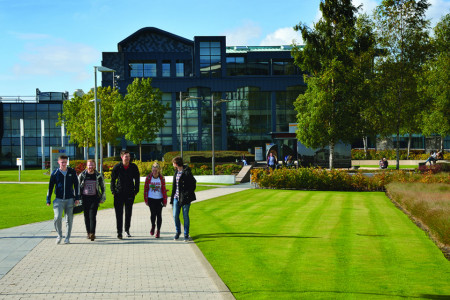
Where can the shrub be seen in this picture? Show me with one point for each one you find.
(337, 180)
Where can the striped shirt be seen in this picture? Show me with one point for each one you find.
(177, 192)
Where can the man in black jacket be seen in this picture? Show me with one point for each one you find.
(125, 181)
(65, 182)
(184, 185)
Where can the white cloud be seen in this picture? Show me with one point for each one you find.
(282, 36)
(56, 58)
(29, 36)
(243, 35)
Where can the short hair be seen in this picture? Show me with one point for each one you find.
(63, 156)
(123, 152)
(178, 160)
(90, 160)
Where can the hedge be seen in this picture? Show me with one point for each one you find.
(338, 180)
(372, 154)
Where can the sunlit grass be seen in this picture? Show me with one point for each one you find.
(279, 244)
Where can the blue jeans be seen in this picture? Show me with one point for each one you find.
(176, 216)
(60, 205)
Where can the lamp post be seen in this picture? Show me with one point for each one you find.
(181, 119)
(212, 132)
(100, 69)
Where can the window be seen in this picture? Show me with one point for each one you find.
(180, 69)
(210, 59)
(284, 67)
(143, 69)
(166, 68)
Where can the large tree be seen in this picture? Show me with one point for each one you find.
(79, 115)
(327, 109)
(140, 114)
(403, 36)
(434, 84)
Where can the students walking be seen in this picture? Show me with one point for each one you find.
(125, 180)
(92, 190)
(184, 185)
(65, 182)
(155, 197)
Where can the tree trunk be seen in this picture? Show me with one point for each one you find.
(331, 154)
(442, 143)
(140, 151)
(398, 150)
(365, 141)
(409, 145)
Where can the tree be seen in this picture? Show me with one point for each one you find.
(327, 109)
(79, 117)
(140, 114)
(434, 84)
(403, 35)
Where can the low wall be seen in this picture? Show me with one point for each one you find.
(227, 179)
(392, 162)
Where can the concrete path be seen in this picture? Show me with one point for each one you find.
(32, 266)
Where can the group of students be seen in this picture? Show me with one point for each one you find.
(89, 187)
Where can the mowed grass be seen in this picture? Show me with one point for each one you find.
(277, 244)
(28, 175)
(26, 203)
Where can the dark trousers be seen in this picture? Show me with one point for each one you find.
(156, 206)
(90, 208)
(119, 202)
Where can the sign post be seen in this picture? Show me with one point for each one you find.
(19, 164)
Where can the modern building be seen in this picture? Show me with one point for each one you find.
(259, 83)
(44, 107)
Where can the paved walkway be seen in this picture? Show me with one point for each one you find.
(32, 266)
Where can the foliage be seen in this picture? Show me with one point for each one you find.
(403, 37)
(220, 156)
(337, 180)
(390, 154)
(79, 117)
(427, 204)
(434, 83)
(140, 115)
(325, 108)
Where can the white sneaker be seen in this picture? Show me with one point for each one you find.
(58, 240)
(66, 241)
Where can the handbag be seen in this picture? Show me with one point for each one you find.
(78, 208)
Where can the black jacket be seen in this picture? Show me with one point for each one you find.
(66, 187)
(100, 184)
(187, 185)
(125, 182)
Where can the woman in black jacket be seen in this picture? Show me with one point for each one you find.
(184, 185)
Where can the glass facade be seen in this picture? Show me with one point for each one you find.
(32, 114)
(210, 59)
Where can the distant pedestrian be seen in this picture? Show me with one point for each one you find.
(65, 182)
(271, 161)
(432, 158)
(125, 181)
(92, 190)
(184, 185)
(155, 197)
(383, 163)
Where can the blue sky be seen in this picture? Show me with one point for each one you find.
(54, 44)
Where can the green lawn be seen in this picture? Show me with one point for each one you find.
(26, 203)
(392, 167)
(275, 244)
(31, 175)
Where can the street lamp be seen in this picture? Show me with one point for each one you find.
(100, 69)
(212, 131)
(181, 119)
